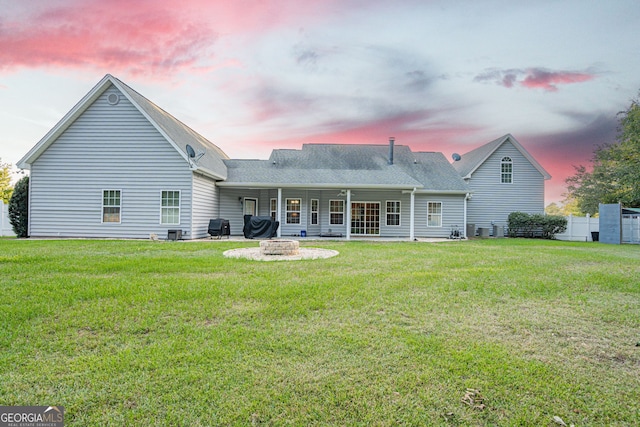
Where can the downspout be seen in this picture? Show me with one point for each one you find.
(29, 204)
(278, 213)
(348, 233)
(412, 234)
(464, 225)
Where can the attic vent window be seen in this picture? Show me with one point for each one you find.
(506, 166)
(113, 98)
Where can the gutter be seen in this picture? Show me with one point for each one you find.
(205, 172)
(465, 192)
(317, 186)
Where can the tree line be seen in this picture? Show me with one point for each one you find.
(614, 176)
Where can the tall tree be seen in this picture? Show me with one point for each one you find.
(615, 174)
(553, 209)
(570, 207)
(5, 182)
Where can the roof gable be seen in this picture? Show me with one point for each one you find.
(174, 131)
(472, 160)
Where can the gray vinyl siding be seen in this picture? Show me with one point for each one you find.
(452, 214)
(230, 207)
(109, 147)
(325, 214)
(294, 229)
(381, 197)
(205, 205)
(453, 211)
(493, 201)
(232, 210)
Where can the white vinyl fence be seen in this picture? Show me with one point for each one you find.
(631, 228)
(579, 228)
(5, 226)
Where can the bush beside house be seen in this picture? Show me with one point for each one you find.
(19, 208)
(522, 224)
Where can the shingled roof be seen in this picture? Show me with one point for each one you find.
(179, 133)
(347, 165)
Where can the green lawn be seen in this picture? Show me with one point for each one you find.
(172, 333)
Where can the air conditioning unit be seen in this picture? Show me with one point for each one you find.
(174, 235)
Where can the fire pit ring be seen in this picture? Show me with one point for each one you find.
(280, 250)
(279, 247)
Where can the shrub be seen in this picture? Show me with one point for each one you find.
(519, 224)
(19, 208)
(522, 224)
(552, 225)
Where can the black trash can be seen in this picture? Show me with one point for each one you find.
(595, 236)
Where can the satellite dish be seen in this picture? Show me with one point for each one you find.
(456, 157)
(190, 151)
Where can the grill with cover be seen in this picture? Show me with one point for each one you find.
(219, 227)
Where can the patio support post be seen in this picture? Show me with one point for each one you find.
(412, 233)
(279, 213)
(348, 233)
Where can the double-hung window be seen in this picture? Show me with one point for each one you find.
(293, 211)
(170, 207)
(273, 208)
(111, 203)
(393, 212)
(336, 212)
(506, 168)
(315, 203)
(434, 214)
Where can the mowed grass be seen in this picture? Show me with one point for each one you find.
(172, 333)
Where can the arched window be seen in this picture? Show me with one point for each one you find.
(506, 167)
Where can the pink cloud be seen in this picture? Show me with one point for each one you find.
(119, 35)
(405, 127)
(548, 80)
(142, 37)
(534, 78)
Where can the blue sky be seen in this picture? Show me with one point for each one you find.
(252, 76)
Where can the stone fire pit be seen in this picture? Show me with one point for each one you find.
(280, 250)
(279, 247)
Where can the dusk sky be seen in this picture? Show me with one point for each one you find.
(253, 75)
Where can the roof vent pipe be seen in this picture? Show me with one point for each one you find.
(391, 141)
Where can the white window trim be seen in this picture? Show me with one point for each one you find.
(441, 214)
(287, 211)
(273, 202)
(171, 207)
(386, 213)
(367, 202)
(102, 221)
(502, 174)
(330, 212)
(311, 211)
(244, 202)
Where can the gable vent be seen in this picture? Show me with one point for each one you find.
(113, 98)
